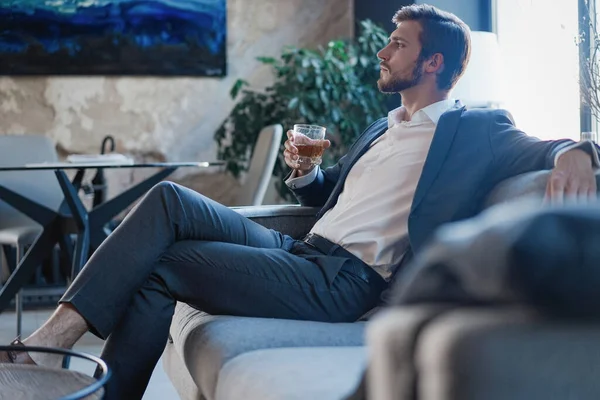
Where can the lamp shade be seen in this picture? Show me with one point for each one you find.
(482, 83)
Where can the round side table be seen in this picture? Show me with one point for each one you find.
(33, 382)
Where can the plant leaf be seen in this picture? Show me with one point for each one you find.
(237, 86)
(266, 60)
(293, 103)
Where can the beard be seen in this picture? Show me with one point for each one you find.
(392, 84)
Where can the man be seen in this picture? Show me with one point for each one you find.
(428, 163)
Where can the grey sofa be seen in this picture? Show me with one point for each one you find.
(419, 352)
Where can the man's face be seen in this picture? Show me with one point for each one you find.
(401, 66)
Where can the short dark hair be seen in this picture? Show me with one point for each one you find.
(441, 32)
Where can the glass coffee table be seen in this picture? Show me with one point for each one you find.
(72, 217)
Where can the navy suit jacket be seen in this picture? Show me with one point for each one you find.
(471, 152)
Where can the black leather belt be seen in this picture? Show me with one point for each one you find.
(327, 247)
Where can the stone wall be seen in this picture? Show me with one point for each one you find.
(170, 119)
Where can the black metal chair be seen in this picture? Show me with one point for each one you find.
(18, 230)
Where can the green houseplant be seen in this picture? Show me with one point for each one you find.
(333, 86)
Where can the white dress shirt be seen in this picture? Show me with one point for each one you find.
(370, 218)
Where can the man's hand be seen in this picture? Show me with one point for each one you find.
(572, 179)
(290, 154)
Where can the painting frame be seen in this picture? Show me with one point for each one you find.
(113, 37)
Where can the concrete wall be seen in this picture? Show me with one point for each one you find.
(171, 119)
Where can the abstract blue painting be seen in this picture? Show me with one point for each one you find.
(113, 37)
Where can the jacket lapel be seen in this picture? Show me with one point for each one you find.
(377, 129)
(438, 151)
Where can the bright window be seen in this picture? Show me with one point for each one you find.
(541, 65)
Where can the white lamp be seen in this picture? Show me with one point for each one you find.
(482, 83)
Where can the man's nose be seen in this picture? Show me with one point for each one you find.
(382, 55)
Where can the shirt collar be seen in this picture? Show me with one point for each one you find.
(432, 112)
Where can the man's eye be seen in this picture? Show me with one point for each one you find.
(401, 45)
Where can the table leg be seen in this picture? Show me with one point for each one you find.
(80, 215)
(66, 247)
(37, 212)
(78, 179)
(80, 257)
(102, 214)
(76, 208)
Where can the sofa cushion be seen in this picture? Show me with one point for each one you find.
(292, 373)
(514, 253)
(206, 342)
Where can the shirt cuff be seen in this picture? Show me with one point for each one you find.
(294, 182)
(594, 152)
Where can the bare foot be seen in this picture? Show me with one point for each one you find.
(45, 359)
(62, 330)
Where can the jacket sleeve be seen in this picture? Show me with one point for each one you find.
(515, 152)
(317, 192)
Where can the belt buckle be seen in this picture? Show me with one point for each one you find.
(308, 237)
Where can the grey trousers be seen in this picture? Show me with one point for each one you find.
(177, 245)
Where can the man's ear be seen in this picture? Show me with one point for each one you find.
(435, 64)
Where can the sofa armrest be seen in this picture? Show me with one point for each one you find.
(510, 353)
(391, 338)
(530, 184)
(493, 354)
(293, 220)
